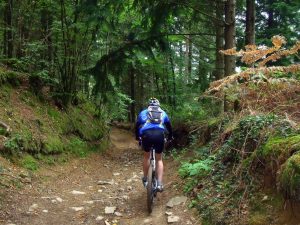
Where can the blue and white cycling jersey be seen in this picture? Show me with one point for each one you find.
(143, 123)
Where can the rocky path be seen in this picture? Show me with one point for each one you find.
(100, 189)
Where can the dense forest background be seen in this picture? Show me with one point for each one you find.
(119, 53)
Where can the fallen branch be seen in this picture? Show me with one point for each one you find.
(5, 126)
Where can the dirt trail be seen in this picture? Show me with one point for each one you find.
(70, 193)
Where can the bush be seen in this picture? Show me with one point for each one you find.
(77, 147)
(53, 145)
(29, 163)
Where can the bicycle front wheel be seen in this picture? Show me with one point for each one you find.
(150, 194)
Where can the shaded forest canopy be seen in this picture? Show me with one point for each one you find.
(120, 53)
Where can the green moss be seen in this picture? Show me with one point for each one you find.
(54, 113)
(78, 147)
(53, 145)
(289, 178)
(2, 131)
(83, 125)
(29, 163)
(280, 147)
(258, 219)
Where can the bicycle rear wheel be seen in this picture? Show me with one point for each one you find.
(150, 192)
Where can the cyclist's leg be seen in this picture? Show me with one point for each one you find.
(159, 146)
(159, 167)
(146, 163)
(146, 145)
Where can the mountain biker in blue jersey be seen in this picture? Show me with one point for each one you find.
(151, 126)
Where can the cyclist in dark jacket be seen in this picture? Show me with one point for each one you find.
(150, 129)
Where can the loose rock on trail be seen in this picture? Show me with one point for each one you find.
(101, 189)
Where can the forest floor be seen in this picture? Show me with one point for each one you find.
(81, 190)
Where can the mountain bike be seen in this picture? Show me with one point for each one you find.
(151, 181)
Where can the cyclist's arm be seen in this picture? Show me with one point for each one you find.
(168, 126)
(138, 125)
(137, 128)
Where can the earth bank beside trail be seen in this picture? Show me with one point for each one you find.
(99, 189)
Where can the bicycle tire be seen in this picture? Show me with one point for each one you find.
(150, 196)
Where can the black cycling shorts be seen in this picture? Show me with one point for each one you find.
(153, 138)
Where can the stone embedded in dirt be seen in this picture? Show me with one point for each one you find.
(121, 189)
(135, 176)
(59, 199)
(118, 214)
(33, 207)
(125, 197)
(147, 221)
(169, 213)
(102, 182)
(77, 192)
(173, 219)
(110, 210)
(116, 174)
(129, 181)
(129, 188)
(265, 198)
(106, 222)
(176, 201)
(45, 211)
(89, 202)
(77, 208)
(99, 218)
(100, 191)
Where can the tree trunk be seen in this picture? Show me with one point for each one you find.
(250, 23)
(8, 30)
(188, 55)
(46, 22)
(270, 21)
(229, 35)
(219, 65)
(181, 58)
(173, 79)
(132, 94)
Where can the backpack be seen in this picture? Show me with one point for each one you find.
(154, 114)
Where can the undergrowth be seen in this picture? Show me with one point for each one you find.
(41, 132)
(226, 173)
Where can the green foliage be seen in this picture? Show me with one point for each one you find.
(11, 77)
(115, 107)
(29, 163)
(198, 169)
(78, 147)
(23, 141)
(13, 144)
(249, 133)
(53, 145)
